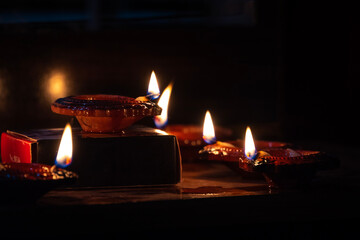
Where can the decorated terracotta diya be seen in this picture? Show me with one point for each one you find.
(191, 141)
(28, 181)
(190, 137)
(102, 113)
(229, 153)
(284, 168)
(281, 166)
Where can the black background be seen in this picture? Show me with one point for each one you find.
(290, 73)
(289, 70)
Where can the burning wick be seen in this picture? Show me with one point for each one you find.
(152, 96)
(209, 132)
(250, 150)
(63, 158)
(208, 129)
(153, 89)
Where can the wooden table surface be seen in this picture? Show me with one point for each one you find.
(211, 199)
(199, 180)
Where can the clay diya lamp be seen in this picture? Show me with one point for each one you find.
(287, 168)
(26, 182)
(191, 140)
(229, 153)
(102, 113)
(281, 166)
(190, 137)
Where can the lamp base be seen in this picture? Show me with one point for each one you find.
(136, 156)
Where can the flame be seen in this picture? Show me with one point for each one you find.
(63, 158)
(161, 120)
(208, 129)
(250, 150)
(153, 89)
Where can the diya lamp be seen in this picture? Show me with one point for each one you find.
(226, 152)
(24, 182)
(190, 137)
(102, 113)
(230, 151)
(281, 165)
(284, 167)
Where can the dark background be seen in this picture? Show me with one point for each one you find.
(286, 68)
(289, 69)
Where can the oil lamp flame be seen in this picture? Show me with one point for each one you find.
(63, 158)
(208, 129)
(161, 120)
(250, 150)
(153, 89)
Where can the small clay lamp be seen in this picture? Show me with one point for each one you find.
(190, 137)
(229, 153)
(102, 113)
(34, 172)
(281, 166)
(26, 182)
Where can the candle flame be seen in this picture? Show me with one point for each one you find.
(161, 120)
(208, 129)
(250, 150)
(63, 158)
(153, 89)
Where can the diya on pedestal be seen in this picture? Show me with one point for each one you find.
(100, 113)
(110, 149)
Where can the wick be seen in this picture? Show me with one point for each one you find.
(255, 156)
(153, 96)
(148, 97)
(210, 141)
